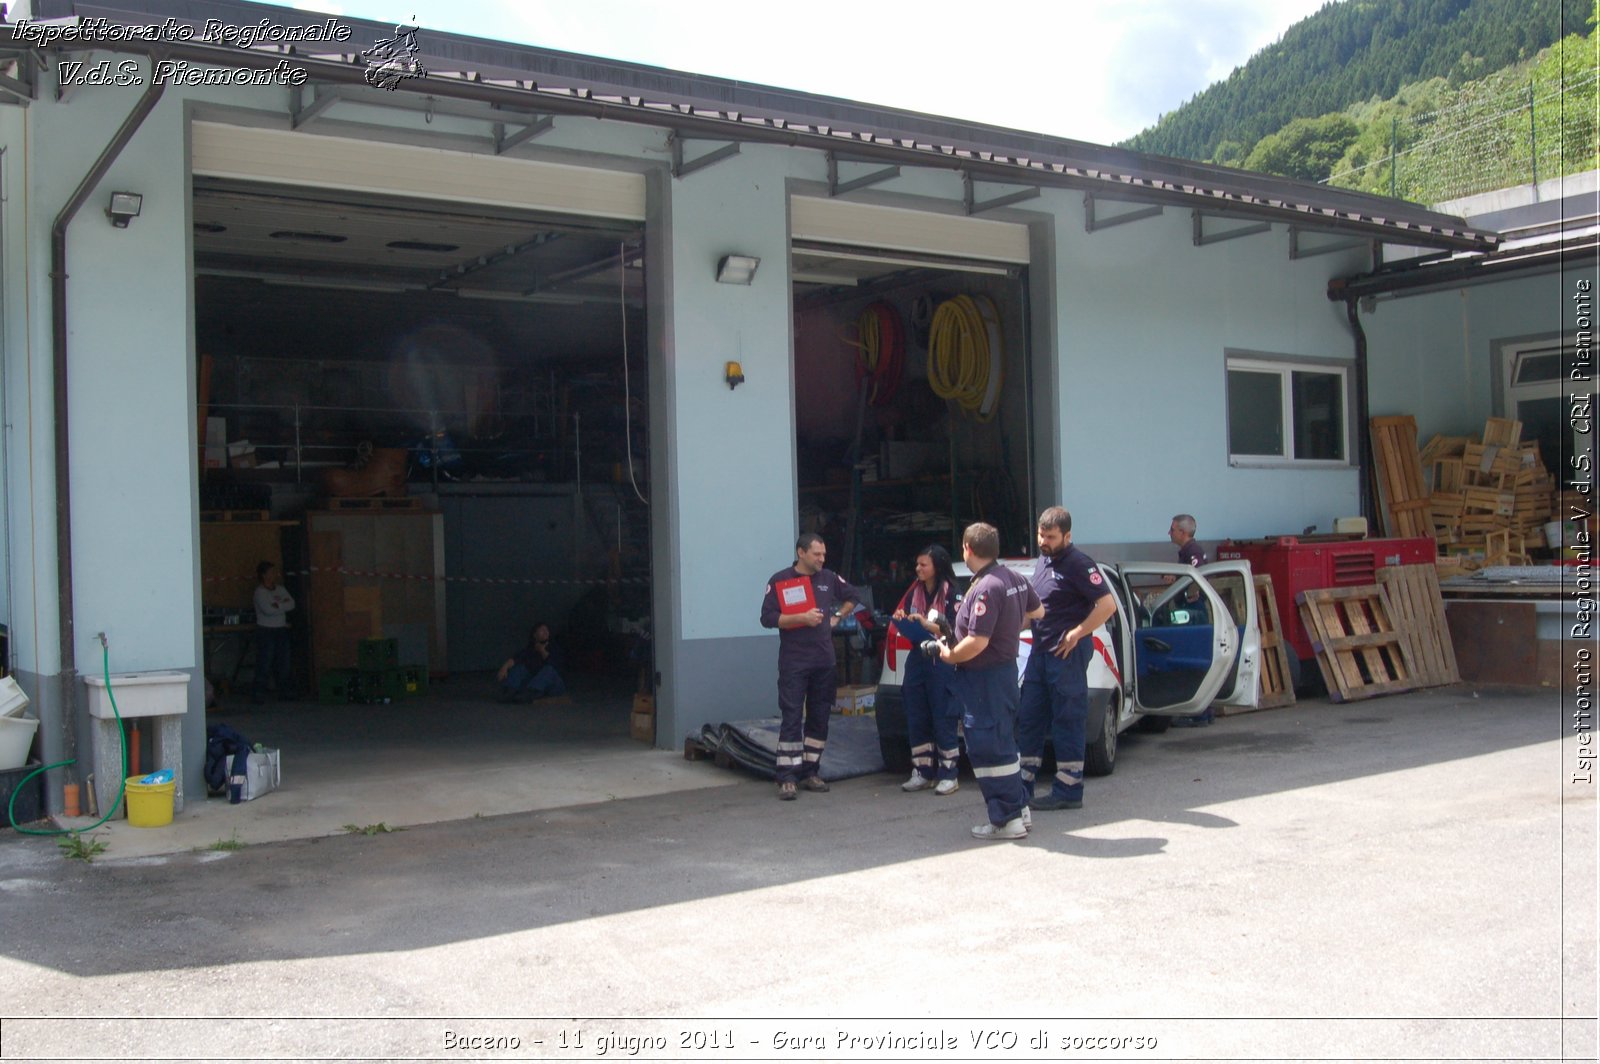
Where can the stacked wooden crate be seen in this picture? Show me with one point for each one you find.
(1491, 497)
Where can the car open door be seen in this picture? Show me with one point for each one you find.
(1235, 583)
(1181, 657)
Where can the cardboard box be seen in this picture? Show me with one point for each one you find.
(642, 726)
(644, 704)
(263, 772)
(852, 700)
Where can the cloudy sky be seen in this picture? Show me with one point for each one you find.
(1095, 71)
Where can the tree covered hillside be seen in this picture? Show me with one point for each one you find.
(1354, 51)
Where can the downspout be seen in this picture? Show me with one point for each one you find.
(58, 338)
(1352, 310)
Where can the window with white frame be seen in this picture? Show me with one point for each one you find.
(1287, 412)
(1538, 391)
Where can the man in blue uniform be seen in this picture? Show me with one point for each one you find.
(807, 680)
(1190, 550)
(1055, 684)
(988, 634)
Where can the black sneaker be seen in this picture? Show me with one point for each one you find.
(1050, 801)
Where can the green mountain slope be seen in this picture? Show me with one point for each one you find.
(1353, 51)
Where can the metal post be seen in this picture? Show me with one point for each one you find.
(577, 491)
(1394, 160)
(1533, 143)
(433, 446)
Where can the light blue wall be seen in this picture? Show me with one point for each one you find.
(1144, 319)
(1431, 355)
(734, 509)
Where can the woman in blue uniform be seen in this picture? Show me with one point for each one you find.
(930, 722)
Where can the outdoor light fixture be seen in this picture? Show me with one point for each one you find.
(737, 269)
(124, 206)
(734, 375)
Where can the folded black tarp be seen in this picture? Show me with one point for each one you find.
(852, 748)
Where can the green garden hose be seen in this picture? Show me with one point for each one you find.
(122, 787)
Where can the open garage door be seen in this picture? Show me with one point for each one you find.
(422, 380)
(912, 386)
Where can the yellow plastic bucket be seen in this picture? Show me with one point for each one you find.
(149, 804)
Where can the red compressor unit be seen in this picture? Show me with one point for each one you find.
(1302, 563)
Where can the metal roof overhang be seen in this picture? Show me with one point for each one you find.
(1573, 251)
(530, 82)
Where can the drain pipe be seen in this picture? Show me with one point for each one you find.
(1352, 310)
(58, 339)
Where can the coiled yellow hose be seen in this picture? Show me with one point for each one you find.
(966, 354)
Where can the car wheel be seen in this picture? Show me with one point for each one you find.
(1100, 756)
(1154, 725)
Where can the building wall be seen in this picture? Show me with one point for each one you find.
(1145, 319)
(1134, 321)
(1432, 355)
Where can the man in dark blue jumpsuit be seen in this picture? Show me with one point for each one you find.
(807, 680)
(1055, 683)
(988, 633)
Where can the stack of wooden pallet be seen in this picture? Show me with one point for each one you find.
(1491, 497)
(1405, 505)
(1381, 638)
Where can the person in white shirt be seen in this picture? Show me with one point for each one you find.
(273, 603)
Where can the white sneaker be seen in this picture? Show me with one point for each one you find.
(1026, 817)
(1011, 829)
(917, 782)
(947, 787)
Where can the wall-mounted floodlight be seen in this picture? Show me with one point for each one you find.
(737, 269)
(124, 206)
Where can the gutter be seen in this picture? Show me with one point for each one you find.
(1182, 188)
(63, 441)
(1352, 309)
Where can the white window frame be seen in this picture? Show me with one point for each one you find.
(1565, 347)
(1284, 367)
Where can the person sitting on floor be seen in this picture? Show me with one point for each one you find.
(534, 671)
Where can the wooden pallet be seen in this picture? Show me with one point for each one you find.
(1404, 503)
(235, 515)
(1277, 681)
(376, 502)
(1418, 611)
(1502, 432)
(1358, 650)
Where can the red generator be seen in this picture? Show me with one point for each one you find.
(1302, 563)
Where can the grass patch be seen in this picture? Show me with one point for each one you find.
(380, 828)
(76, 847)
(229, 844)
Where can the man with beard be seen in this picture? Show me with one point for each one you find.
(1055, 684)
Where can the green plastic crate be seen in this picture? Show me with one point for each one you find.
(376, 654)
(337, 686)
(383, 683)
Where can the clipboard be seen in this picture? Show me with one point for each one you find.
(913, 631)
(795, 596)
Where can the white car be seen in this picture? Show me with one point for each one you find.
(1181, 662)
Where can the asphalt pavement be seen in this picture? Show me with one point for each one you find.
(1411, 876)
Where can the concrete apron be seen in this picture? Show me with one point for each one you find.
(455, 754)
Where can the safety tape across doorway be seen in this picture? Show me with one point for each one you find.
(431, 578)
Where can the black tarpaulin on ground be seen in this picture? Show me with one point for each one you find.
(852, 748)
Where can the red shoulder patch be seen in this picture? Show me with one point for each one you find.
(1095, 578)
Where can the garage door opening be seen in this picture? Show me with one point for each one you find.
(432, 416)
(912, 409)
